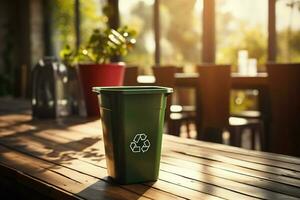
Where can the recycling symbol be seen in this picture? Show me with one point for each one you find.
(140, 143)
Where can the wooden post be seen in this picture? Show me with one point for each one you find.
(156, 33)
(77, 24)
(114, 21)
(208, 39)
(114, 18)
(23, 40)
(272, 31)
(47, 27)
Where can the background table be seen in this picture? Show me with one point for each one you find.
(190, 80)
(238, 82)
(64, 159)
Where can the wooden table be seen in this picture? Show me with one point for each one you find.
(190, 80)
(249, 82)
(65, 159)
(238, 82)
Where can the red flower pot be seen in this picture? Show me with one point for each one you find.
(92, 75)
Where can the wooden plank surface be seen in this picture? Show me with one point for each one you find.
(167, 181)
(68, 156)
(76, 183)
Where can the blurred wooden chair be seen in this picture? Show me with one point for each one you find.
(130, 76)
(255, 115)
(284, 86)
(213, 106)
(176, 115)
(251, 115)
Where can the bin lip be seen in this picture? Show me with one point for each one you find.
(133, 90)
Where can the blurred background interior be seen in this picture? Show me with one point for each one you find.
(169, 33)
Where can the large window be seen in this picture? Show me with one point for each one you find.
(92, 17)
(241, 25)
(288, 30)
(63, 24)
(180, 31)
(138, 15)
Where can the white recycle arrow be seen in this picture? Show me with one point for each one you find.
(135, 148)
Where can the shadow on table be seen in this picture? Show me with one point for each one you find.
(108, 189)
(38, 138)
(60, 146)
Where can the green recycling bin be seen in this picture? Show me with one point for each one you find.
(132, 120)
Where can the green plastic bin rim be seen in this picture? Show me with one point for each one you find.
(133, 90)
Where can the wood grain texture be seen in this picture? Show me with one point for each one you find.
(66, 159)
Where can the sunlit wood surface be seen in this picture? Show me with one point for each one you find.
(65, 159)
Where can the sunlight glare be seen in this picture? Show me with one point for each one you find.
(198, 7)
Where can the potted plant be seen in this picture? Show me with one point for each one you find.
(94, 62)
